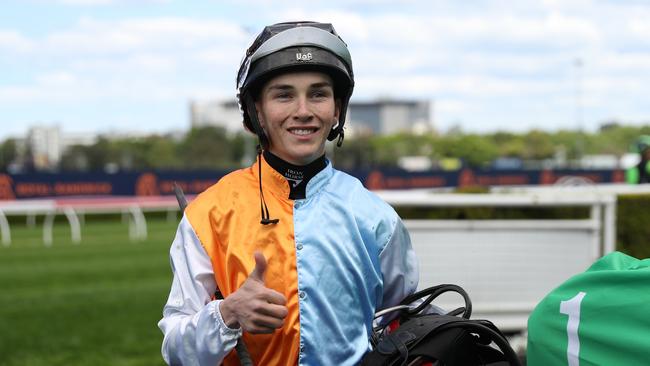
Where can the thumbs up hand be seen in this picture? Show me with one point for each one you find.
(260, 267)
(254, 307)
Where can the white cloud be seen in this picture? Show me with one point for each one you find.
(86, 2)
(453, 31)
(13, 94)
(615, 85)
(633, 63)
(57, 79)
(640, 29)
(67, 89)
(469, 86)
(92, 36)
(137, 59)
(138, 64)
(12, 40)
(451, 106)
(108, 2)
(478, 60)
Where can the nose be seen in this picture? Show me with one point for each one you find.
(303, 111)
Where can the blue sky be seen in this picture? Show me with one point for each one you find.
(134, 65)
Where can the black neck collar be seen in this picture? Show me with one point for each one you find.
(297, 176)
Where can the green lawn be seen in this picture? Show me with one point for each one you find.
(96, 303)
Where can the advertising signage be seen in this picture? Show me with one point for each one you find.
(156, 183)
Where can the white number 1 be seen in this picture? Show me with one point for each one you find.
(572, 309)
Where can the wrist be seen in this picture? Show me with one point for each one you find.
(228, 315)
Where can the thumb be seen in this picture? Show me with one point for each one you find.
(260, 267)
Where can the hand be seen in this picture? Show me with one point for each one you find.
(254, 307)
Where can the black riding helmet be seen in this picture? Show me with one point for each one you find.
(294, 46)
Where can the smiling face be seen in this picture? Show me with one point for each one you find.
(297, 111)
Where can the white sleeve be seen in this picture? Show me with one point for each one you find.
(399, 267)
(194, 332)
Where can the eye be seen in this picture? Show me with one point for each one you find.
(282, 95)
(320, 93)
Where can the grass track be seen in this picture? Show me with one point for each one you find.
(96, 303)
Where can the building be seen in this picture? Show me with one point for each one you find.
(380, 117)
(44, 145)
(224, 114)
(385, 117)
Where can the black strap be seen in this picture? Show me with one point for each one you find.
(263, 208)
(444, 338)
(432, 293)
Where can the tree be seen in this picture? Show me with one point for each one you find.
(354, 154)
(100, 154)
(386, 150)
(539, 145)
(161, 153)
(75, 158)
(474, 149)
(243, 148)
(207, 148)
(212, 148)
(8, 153)
(508, 144)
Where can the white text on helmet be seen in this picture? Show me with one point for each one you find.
(303, 56)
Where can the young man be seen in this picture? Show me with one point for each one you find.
(302, 276)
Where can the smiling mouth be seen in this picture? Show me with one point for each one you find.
(303, 131)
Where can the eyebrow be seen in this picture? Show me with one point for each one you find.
(318, 85)
(279, 87)
(321, 85)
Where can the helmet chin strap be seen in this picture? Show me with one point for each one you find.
(266, 219)
(263, 142)
(339, 142)
(336, 131)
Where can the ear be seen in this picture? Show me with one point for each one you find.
(337, 109)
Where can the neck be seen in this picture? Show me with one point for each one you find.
(296, 175)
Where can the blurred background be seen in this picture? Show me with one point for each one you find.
(91, 85)
(105, 103)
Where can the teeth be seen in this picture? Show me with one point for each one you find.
(301, 131)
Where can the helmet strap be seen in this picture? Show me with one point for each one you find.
(255, 122)
(335, 132)
(263, 142)
(264, 209)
